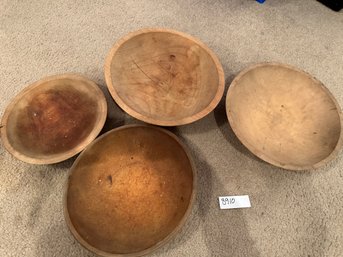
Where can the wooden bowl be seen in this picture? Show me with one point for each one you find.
(53, 119)
(164, 77)
(285, 116)
(129, 191)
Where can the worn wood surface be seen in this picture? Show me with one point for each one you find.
(130, 191)
(285, 116)
(164, 77)
(53, 119)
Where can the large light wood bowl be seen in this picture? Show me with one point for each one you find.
(129, 191)
(164, 77)
(53, 119)
(285, 116)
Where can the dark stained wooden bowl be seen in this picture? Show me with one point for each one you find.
(53, 119)
(285, 116)
(164, 77)
(129, 191)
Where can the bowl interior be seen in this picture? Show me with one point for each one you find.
(129, 190)
(53, 117)
(163, 78)
(284, 116)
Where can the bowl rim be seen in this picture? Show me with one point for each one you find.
(100, 97)
(165, 240)
(261, 154)
(112, 89)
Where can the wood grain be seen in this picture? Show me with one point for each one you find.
(285, 116)
(130, 191)
(53, 119)
(164, 77)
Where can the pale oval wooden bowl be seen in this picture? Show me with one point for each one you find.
(130, 191)
(285, 116)
(53, 119)
(164, 77)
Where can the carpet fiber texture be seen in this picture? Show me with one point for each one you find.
(292, 214)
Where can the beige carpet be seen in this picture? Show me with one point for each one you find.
(292, 214)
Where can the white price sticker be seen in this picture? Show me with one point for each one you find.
(234, 202)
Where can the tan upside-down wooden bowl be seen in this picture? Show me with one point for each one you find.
(285, 116)
(164, 77)
(53, 119)
(130, 191)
